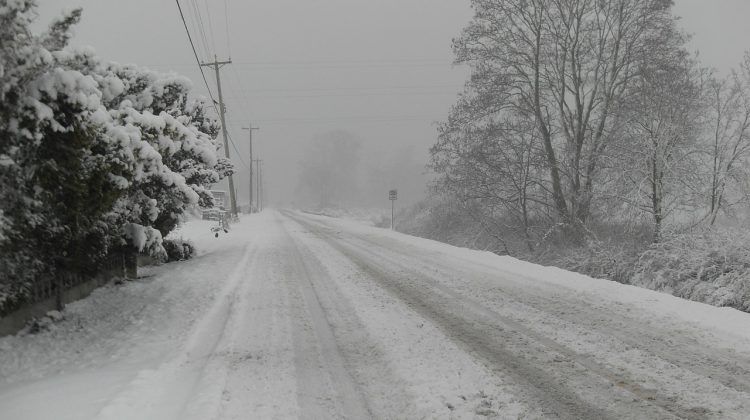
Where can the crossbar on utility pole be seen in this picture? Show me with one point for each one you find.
(216, 64)
(250, 130)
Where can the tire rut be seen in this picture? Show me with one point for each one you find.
(326, 358)
(508, 346)
(729, 369)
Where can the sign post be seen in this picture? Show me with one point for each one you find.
(393, 196)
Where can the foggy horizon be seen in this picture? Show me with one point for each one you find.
(388, 82)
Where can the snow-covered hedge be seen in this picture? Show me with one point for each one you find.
(95, 157)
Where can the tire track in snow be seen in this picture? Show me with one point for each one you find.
(325, 359)
(503, 341)
(364, 355)
(685, 354)
(170, 390)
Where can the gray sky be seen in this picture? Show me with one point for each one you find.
(380, 69)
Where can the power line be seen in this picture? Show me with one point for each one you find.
(210, 26)
(242, 90)
(197, 60)
(354, 88)
(354, 95)
(396, 118)
(201, 27)
(239, 155)
(221, 112)
(226, 26)
(343, 63)
(436, 60)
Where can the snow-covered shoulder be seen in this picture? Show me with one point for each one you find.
(726, 324)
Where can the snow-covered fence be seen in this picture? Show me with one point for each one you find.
(49, 293)
(48, 287)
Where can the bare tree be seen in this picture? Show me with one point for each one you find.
(729, 143)
(662, 131)
(495, 167)
(567, 65)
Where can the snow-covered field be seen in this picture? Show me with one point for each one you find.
(292, 315)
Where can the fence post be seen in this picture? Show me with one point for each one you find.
(59, 292)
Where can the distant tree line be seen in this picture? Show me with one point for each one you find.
(95, 157)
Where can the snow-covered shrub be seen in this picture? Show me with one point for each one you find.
(95, 157)
(711, 267)
(45, 323)
(446, 221)
(179, 249)
(609, 260)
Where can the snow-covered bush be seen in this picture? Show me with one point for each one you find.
(444, 220)
(179, 249)
(609, 260)
(711, 267)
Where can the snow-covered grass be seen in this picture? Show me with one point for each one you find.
(372, 216)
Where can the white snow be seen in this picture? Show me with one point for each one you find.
(274, 319)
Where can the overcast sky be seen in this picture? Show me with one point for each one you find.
(380, 69)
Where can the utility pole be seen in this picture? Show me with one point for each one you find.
(393, 196)
(259, 185)
(216, 64)
(250, 129)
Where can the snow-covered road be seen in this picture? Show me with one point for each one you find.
(292, 315)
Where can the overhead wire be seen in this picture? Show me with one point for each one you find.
(201, 27)
(337, 64)
(197, 60)
(201, 30)
(226, 26)
(210, 26)
(194, 28)
(239, 155)
(367, 118)
(353, 88)
(243, 92)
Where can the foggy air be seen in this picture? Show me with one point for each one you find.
(391, 209)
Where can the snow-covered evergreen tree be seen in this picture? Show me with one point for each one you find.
(60, 165)
(94, 156)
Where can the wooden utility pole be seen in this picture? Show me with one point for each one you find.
(250, 130)
(393, 196)
(216, 64)
(259, 183)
